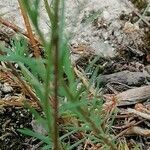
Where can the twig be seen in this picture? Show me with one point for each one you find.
(138, 113)
(139, 131)
(12, 26)
(16, 28)
(133, 96)
(122, 116)
(124, 131)
(36, 50)
(124, 126)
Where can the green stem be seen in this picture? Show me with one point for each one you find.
(55, 49)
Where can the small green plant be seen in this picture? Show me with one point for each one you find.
(55, 86)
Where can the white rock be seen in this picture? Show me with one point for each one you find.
(39, 128)
(103, 48)
(76, 11)
(6, 88)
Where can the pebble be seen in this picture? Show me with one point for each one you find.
(39, 128)
(6, 88)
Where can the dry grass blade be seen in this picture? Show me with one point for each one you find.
(18, 101)
(29, 31)
(84, 80)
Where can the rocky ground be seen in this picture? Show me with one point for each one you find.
(115, 31)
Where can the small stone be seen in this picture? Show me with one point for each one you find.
(106, 15)
(116, 33)
(105, 35)
(13, 114)
(39, 128)
(6, 88)
(16, 65)
(21, 115)
(21, 126)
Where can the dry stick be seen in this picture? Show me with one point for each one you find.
(133, 96)
(12, 26)
(124, 131)
(124, 126)
(139, 131)
(138, 113)
(37, 145)
(16, 29)
(36, 50)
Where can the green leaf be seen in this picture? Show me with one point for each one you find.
(67, 134)
(91, 65)
(76, 144)
(39, 136)
(67, 67)
(19, 46)
(36, 85)
(47, 147)
(36, 66)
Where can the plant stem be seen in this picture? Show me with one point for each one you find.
(48, 10)
(55, 49)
